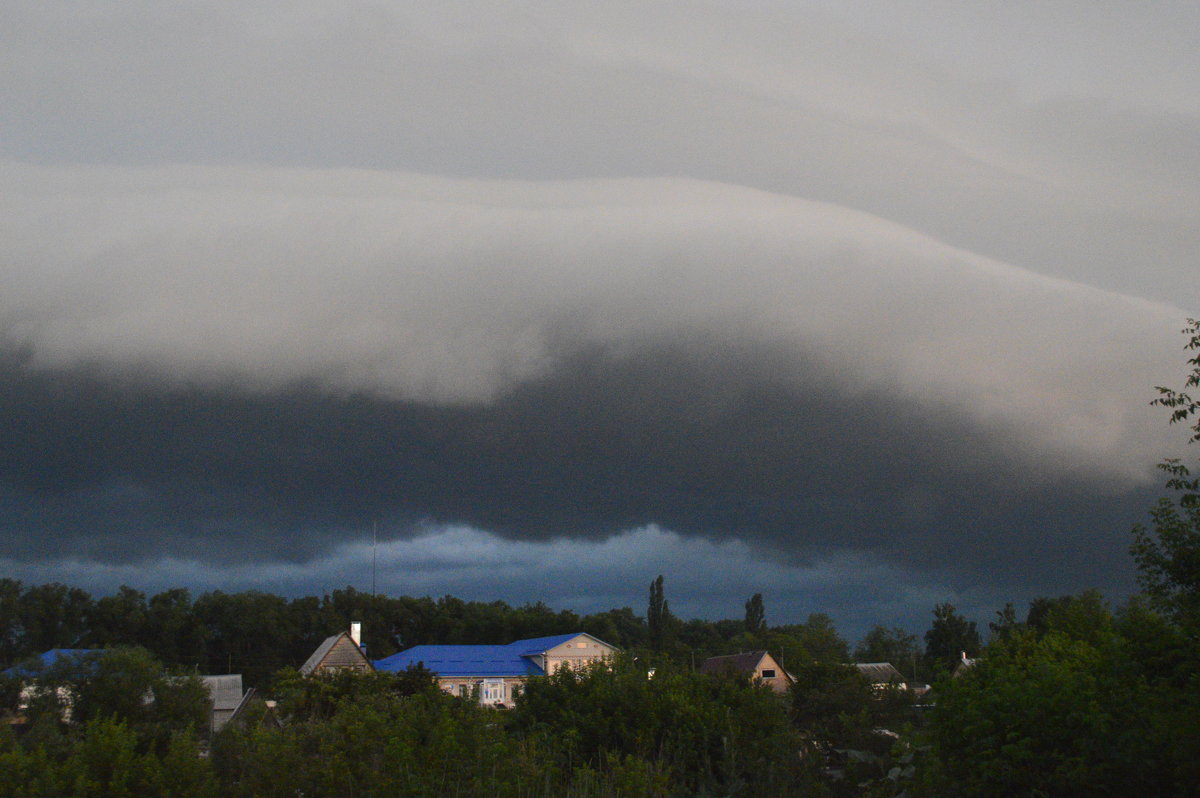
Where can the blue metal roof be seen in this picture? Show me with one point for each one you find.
(513, 659)
(537, 645)
(34, 666)
(463, 661)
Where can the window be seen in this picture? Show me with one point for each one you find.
(768, 673)
(493, 691)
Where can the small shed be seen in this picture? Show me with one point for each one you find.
(227, 697)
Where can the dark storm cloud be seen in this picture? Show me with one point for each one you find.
(694, 439)
(273, 272)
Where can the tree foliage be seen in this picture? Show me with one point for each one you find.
(660, 624)
(949, 638)
(1047, 715)
(756, 615)
(1168, 552)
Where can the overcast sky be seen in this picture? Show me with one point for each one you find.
(859, 305)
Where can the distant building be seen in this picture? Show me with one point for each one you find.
(34, 667)
(227, 697)
(758, 666)
(498, 672)
(965, 663)
(882, 674)
(342, 651)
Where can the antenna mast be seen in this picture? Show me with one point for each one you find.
(374, 543)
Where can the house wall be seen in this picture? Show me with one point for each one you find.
(465, 687)
(344, 654)
(576, 653)
(779, 682)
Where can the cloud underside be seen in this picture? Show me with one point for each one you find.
(223, 364)
(120, 472)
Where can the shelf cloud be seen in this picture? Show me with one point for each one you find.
(818, 284)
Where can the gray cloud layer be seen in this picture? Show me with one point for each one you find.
(824, 280)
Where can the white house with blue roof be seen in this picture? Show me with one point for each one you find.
(499, 671)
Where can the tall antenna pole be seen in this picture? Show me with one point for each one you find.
(374, 543)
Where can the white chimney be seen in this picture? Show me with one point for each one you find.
(356, 632)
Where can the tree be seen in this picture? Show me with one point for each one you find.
(893, 645)
(658, 616)
(1168, 553)
(1047, 715)
(119, 619)
(11, 633)
(53, 616)
(713, 735)
(950, 636)
(756, 615)
(1005, 625)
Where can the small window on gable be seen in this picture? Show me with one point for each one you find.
(768, 673)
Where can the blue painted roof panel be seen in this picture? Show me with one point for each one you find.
(491, 661)
(514, 659)
(33, 666)
(536, 645)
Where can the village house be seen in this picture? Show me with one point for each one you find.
(228, 698)
(882, 675)
(31, 669)
(342, 651)
(498, 672)
(758, 666)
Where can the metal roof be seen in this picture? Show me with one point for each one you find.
(746, 662)
(514, 659)
(879, 672)
(35, 666)
(540, 645)
(313, 661)
(226, 690)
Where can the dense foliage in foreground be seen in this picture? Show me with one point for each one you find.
(1079, 702)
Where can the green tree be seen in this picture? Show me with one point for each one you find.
(319, 696)
(756, 615)
(1168, 552)
(1005, 625)
(1047, 715)
(712, 735)
(127, 684)
(894, 645)
(53, 616)
(659, 621)
(950, 636)
(11, 632)
(119, 619)
(815, 639)
(173, 632)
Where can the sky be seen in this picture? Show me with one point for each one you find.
(859, 305)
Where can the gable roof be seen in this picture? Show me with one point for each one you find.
(513, 659)
(349, 650)
(226, 690)
(879, 672)
(746, 662)
(540, 645)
